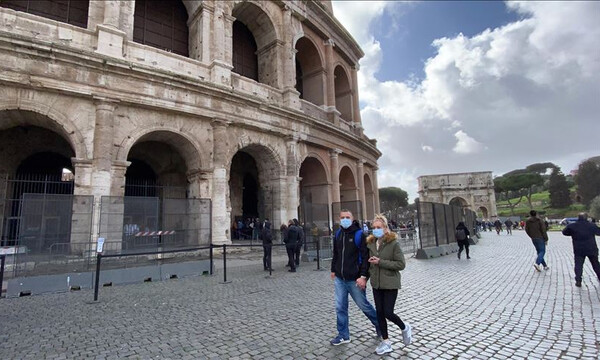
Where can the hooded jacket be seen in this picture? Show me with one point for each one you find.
(386, 274)
(344, 262)
(583, 234)
(535, 228)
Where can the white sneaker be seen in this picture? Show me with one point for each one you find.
(537, 267)
(383, 348)
(407, 334)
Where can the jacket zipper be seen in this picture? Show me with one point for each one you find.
(343, 253)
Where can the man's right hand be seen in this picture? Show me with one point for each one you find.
(332, 275)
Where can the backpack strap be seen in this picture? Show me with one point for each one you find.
(357, 241)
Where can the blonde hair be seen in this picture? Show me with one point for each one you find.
(382, 218)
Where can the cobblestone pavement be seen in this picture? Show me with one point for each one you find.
(492, 306)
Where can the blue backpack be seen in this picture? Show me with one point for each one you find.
(357, 240)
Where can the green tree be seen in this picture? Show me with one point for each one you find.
(520, 182)
(588, 181)
(558, 189)
(504, 185)
(392, 198)
(595, 208)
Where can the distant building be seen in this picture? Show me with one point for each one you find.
(474, 191)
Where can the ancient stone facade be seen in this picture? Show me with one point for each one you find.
(474, 191)
(116, 98)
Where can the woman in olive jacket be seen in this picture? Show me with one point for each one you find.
(386, 260)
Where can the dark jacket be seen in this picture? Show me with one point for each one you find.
(464, 227)
(386, 275)
(583, 234)
(292, 236)
(535, 228)
(265, 234)
(344, 262)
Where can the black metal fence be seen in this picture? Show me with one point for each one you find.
(437, 223)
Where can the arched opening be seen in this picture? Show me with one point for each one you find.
(369, 198)
(74, 12)
(245, 60)
(482, 213)
(348, 189)
(254, 44)
(310, 74)
(314, 197)
(458, 201)
(36, 187)
(161, 24)
(343, 93)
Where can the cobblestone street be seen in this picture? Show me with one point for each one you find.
(493, 306)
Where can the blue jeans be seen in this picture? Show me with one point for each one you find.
(540, 247)
(342, 289)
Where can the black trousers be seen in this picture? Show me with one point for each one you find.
(267, 256)
(463, 244)
(297, 254)
(291, 251)
(579, 260)
(385, 300)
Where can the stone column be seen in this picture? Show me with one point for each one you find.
(329, 44)
(220, 214)
(355, 104)
(291, 97)
(103, 146)
(376, 208)
(361, 187)
(110, 37)
(292, 180)
(221, 43)
(335, 175)
(82, 221)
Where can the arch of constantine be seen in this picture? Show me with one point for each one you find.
(251, 104)
(473, 190)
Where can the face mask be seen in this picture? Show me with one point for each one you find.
(378, 233)
(345, 223)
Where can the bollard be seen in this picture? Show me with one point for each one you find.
(97, 285)
(224, 264)
(318, 254)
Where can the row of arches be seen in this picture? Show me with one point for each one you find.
(161, 165)
(164, 25)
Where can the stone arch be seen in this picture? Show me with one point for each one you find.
(313, 184)
(369, 197)
(310, 73)
(343, 93)
(193, 153)
(459, 201)
(258, 20)
(43, 116)
(319, 158)
(482, 212)
(162, 25)
(348, 184)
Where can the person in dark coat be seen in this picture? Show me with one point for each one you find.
(584, 235)
(300, 242)
(291, 241)
(462, 238)
(267, 242)
(536, 230)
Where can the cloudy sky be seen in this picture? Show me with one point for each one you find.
(477, 86)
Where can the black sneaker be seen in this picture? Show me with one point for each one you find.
(578, 283)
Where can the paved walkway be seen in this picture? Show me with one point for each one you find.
(492, 306)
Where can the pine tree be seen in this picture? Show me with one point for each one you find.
(559, 189)
(588, 181)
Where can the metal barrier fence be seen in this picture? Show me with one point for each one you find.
(437, 223)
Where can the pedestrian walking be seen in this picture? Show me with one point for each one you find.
(291, 241)
(349, 271)
(584, 235)
(498, 226)
(536, 230)
(462, 238)
(301, 240)
(509, 226)
(267, 242)
(386, 261)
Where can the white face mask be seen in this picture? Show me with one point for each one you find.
(345, 223)
(378, 233)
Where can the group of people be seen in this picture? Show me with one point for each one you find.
(358, 257)
(583, 234)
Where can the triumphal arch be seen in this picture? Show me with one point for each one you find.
(130, 112)
(473, 190)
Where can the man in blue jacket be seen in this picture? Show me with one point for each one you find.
(583, 234)
(349, 270)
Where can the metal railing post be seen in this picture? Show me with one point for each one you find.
(318, 254)
(210, 253)
(224, 263)
(270, 259)
(2, 263)
(97, 285)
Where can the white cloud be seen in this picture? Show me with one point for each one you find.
(528, 90)
(466, 144)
